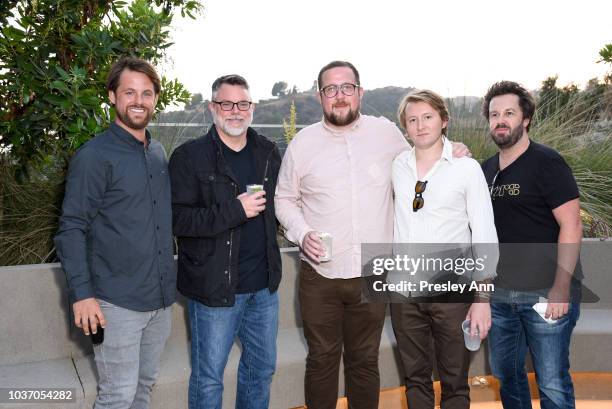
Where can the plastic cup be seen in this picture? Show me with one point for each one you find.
(326, 239)
(253, 189)
(472, 341)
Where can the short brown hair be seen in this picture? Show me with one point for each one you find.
(132, 64)
(427, 96)
(526, 100)
(336, 64)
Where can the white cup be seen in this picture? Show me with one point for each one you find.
(472, 341)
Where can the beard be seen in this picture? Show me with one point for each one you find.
(134, 124)
(339, 120)
(224, 124)
(508, 140)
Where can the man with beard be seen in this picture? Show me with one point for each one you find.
(535, 202)
(115, 241)
(229, 262)
(336, 178)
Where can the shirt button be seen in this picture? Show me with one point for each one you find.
(157, 227)
(225, 271)
(154, 201)
(227, 243)
(159, 252)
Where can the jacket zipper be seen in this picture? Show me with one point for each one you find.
(229, 265)
(263, 182)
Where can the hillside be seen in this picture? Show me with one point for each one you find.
(378, 102)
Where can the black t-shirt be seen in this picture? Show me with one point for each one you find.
(523, 196)
(252, 259)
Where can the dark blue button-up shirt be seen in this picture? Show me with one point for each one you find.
(115, 232)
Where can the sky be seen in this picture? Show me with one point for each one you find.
(455, 47)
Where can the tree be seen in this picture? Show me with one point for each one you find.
(54, 58)
(553, 99)
(279, 89)
(606, 54)
(606, 57)
(196, 101)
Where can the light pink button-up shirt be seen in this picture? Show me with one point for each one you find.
(339, 182)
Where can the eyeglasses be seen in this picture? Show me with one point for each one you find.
(229, 105)
(418, 201)
(331, 91)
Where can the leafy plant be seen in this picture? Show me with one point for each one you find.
(54, 59)
(290, 127)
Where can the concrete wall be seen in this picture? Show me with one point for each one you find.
(40, 347)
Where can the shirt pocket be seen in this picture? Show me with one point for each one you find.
(216, 187)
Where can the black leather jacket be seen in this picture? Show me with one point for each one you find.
(206, 217)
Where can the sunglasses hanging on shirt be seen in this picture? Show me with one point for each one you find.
(418, 201)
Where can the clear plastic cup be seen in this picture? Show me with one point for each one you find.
(472, 341)
(326, 239)
(253, 189)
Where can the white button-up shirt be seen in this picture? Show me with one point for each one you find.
(457, 206)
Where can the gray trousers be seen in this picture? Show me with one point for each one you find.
(129, 358)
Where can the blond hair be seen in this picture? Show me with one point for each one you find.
(423, 95)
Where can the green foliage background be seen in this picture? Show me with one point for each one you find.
(54, 59)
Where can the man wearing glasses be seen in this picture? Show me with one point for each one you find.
(535, 201)
(336, 178)
(229, 264)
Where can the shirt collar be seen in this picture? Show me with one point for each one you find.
(447, 154)
(127, 137)
(447, 150)
(355, 125)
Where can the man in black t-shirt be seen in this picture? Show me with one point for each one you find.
(229, 264)
(537, 216)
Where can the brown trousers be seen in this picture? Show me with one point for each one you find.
(335, 317)
(415, 326)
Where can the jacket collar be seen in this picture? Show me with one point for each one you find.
(258, 141)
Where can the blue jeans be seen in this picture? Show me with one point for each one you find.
(128, 359)
(254, 320)
(517, 327)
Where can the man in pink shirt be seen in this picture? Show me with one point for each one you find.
(336, 178)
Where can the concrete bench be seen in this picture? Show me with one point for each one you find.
(40, 348)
